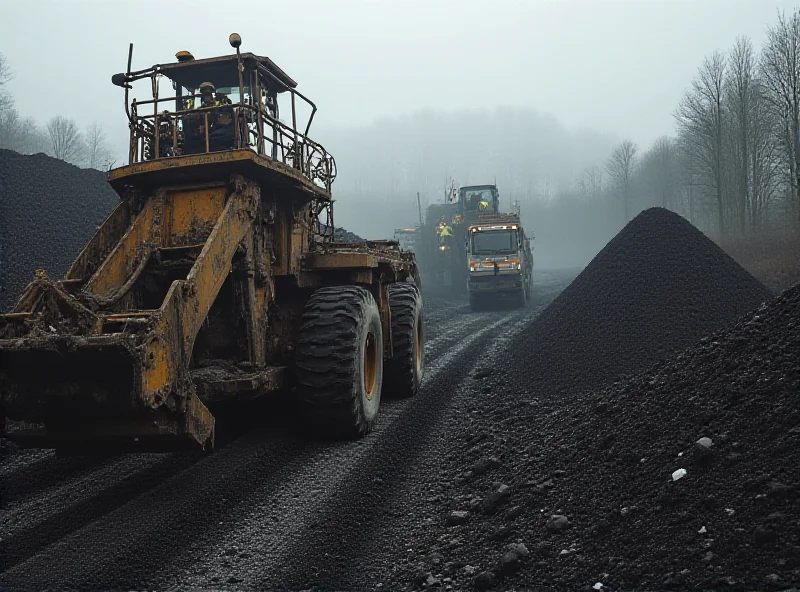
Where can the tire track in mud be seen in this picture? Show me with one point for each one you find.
(160, 522)
(57, 514)
(36, 472)
(327, 537)
(388, 495)
(94, 527)
(264, 531)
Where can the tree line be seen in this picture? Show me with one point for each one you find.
(732, 166)
(60, 137)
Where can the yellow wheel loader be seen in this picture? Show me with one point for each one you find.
(217, 278)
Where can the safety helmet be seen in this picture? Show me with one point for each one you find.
(207, 87)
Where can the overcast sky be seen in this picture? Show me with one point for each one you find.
(618, 66)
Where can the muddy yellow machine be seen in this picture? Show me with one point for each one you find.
(216, 278)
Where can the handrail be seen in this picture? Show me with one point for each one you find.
(164, 134)
(156, 135)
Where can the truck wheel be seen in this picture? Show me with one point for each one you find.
(405, 369)
(339, 362)
(476, 303)
(522, 297)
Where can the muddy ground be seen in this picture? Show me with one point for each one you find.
(267, 510)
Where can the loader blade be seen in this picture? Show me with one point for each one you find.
(84, 393)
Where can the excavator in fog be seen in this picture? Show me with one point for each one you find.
(216, 279)
(446, 264)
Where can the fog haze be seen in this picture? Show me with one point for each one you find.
(618, 66)
(410, 93)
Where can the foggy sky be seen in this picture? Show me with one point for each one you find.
(617, 67)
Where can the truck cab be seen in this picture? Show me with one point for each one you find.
(470, 199)
(500, 260)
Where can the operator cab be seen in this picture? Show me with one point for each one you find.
(221, 104)
(471, 197)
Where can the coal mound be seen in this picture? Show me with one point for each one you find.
(49, 210)
(340, 235)
(727, 412)
(657, 287)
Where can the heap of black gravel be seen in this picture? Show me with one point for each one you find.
(538, 444)
(726, 411)
(340, 235)
(49, 209)
(657, 287)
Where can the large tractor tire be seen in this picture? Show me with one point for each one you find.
(527, 292)
(477, 303)
(405, 369)
(522, 297)
(339, 362)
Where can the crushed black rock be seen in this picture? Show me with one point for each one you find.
(661, 342)
(657, 287)
(49, 209)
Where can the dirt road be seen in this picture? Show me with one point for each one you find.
(268, 509)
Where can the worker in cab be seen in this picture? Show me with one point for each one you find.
(445, 233)
(483, 205)
(187, 103)
(221, 134)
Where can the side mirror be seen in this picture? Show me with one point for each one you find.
(120, 80)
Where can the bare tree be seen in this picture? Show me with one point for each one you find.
(6, 101)
(620, 167)
(590, 183)
(700, 119)
(780, 67)
(664, 178)
(739, 94)
(65, 139)
(765, 157)
(97, 151)
(688, 174)
(21, 135)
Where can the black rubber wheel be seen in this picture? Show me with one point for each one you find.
(339, 362)
(528, 289)
(522, 297)
(404, 371)
(476, 303)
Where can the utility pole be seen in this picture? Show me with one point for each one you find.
(419, 209)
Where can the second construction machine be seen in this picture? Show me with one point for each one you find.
(445, 261)
(215, 279)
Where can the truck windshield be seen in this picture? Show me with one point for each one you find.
(494, 242)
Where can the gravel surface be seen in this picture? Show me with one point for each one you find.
(49, 209)
(526, 457)
(267, 510)
(572, 488)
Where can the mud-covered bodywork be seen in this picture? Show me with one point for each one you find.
(193, 289)
(445, 266)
